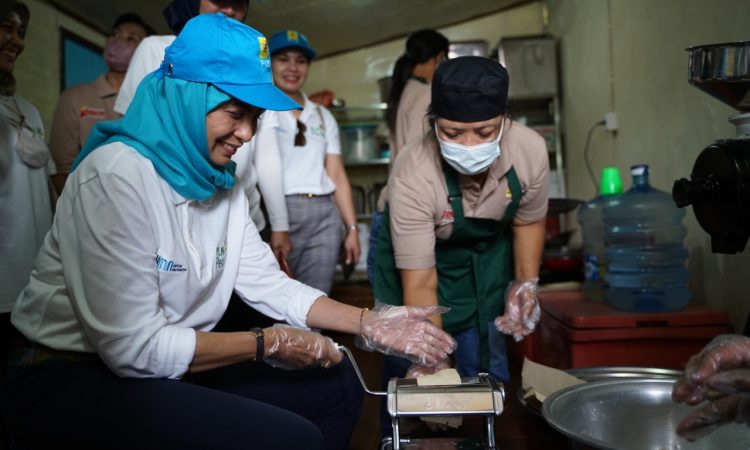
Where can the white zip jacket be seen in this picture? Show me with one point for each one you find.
(130, 269)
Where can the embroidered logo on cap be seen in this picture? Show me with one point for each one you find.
(292, 35)
(263, 44)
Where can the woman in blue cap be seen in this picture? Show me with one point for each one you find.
(318, 194)
(151, 236)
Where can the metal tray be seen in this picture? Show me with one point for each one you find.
(603, 373)
(630, 414)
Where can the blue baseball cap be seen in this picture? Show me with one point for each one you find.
(228, 54)
(290, 38)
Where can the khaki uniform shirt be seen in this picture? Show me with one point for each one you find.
(411, 122)
(80, 107)
(411, 117)
(420, 212)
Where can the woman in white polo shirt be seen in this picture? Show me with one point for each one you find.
(150, 238)
(318, 194)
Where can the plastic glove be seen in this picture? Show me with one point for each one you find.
(522, 310)
(417, 371)
(406, 332)
(723, 410)
(725, 352)
(289, 347)
(720, 373)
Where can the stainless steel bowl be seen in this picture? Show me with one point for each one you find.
(622, 372)
(601, 373)
(723, 71)
(630, 414)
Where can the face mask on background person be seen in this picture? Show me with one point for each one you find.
(117, 54)
(471, 159)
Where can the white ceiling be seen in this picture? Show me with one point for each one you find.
(333, 26)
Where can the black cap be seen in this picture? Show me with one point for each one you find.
(469, 89)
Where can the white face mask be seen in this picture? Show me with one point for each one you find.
(471, 159)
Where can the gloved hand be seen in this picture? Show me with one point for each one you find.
(417, 371)
(522, 310)
(720, 373)
(405, 331)
(289, 347)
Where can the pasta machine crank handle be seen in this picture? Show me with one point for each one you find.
(356, 369)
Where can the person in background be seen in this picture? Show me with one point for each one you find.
(406, 115)
(720, 375)
(317, 190)
(258, 170)
(83, 105)
(25, 165)
(465, 219)
(150, 237)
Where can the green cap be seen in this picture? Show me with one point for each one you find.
(611, 183)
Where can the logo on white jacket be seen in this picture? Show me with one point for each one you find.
(221, 256)
(167, 265)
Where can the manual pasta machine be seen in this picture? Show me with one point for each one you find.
(479, 395)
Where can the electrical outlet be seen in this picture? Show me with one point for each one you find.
(610, 121)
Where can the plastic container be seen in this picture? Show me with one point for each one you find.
(590, 217)
(646, 255)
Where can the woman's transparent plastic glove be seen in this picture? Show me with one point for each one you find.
(417, 371)
(720, 373)
(522, 310)
(290, 347)
(406, 332)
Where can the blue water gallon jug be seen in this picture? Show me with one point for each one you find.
(645, 250)
(592, 226)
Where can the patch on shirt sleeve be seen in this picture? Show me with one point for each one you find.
(167, 265)
(446, 217)
(221, 256)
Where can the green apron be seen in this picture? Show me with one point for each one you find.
(474, 265)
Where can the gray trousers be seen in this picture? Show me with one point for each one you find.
(316, 232)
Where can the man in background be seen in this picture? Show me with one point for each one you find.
(83, 105)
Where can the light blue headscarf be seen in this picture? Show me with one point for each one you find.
(166, 123)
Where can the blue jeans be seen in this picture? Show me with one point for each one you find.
(467, 361)
(467, 355)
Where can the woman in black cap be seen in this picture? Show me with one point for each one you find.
(465, 214)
